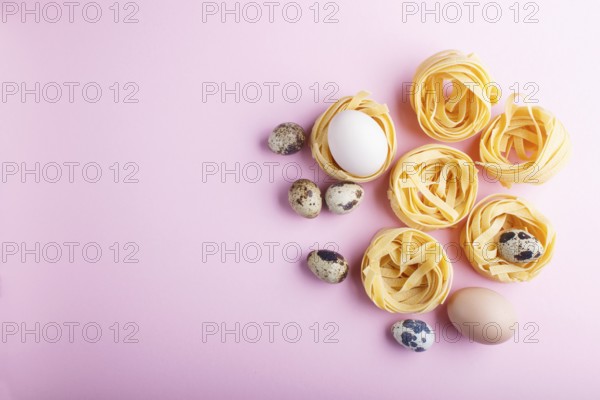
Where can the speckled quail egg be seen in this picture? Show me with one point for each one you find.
(305, 198)
(343, 197)
(519, 246)
(328, 265)
(413, 334)
(287, 138)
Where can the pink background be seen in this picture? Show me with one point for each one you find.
(171, 134)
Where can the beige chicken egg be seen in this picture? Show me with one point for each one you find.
(482, 315)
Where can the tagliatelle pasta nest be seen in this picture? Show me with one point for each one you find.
(490, 217)
(538, 138)
(406, 271)
(320, 147)
(433, 186)
(452, 95)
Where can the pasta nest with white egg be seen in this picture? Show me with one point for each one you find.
(406, 271)
(320, 147)
(490, 217)
(433, 186)
(538, 138)
(452, 95)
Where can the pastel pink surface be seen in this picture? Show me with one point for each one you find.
(175, 211)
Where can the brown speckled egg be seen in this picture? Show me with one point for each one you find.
(519, 246)
(305, 198)
(343, 197)
(287, 138)
(328, 265)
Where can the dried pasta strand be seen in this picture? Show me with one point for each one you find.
(489, 218)
(467, 108)
(538, 138)
(408, 290)
(319, 144)
(433, 186)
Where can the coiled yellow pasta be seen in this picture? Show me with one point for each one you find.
(406, 271)
(320, 147)
(432, 187)
(490, 217)
(466, 108)
(539, 139)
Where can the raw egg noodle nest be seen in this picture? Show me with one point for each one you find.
(539, 139)
(406, 271)
(470, 95)
(320, 147)
(433, 186)
(490, 217)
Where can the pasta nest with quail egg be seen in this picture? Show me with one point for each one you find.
(494, 215)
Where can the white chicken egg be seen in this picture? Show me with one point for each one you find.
(357, 143)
